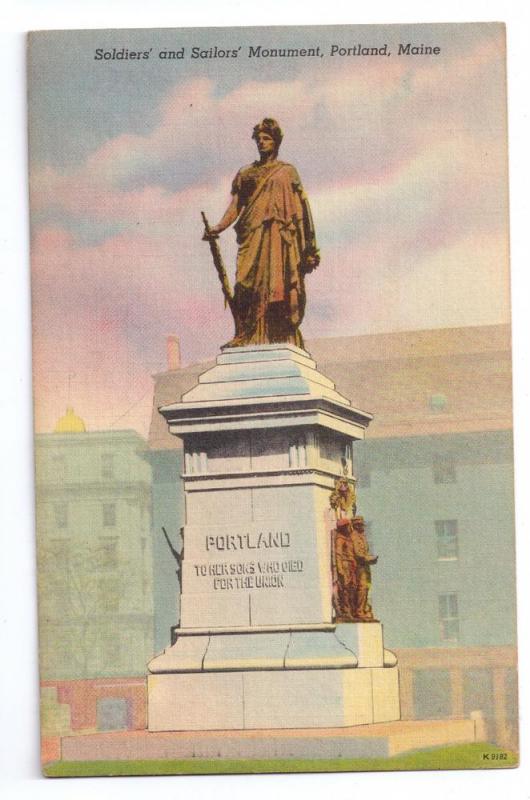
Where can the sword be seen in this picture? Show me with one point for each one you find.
(218, 263)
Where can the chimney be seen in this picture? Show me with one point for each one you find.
(173, 352)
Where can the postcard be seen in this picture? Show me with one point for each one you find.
(273, 409)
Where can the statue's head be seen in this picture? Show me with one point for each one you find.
(358, 523)
(342, 485)
(270, 128)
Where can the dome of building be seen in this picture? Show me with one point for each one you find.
(70, 423)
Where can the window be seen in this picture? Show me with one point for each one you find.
(108, 652)
(59, 467)
(57, 554)
(438, 403)
(107, 465)
(431, 693)
(108, 552)
(112, 713)
(444, 469)
(108, 595)
(60, 512)
(109, 515)
(446, 539)
(448, 617)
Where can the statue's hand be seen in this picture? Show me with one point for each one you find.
(213, 233)
(311, 262)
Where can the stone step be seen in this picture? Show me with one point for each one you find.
(363, 741)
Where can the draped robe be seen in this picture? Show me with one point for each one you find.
(275, 235)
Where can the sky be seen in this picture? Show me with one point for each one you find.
(403, 159)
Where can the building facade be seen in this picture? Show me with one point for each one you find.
(93, 505)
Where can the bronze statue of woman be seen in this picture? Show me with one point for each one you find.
(277, 245)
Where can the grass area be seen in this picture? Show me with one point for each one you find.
(465, 756)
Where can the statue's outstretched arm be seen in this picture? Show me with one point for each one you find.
(228, 218)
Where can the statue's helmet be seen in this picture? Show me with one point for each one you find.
(271, 127)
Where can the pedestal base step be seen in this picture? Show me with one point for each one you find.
(303, 698)
(316, 647)
(365, 741)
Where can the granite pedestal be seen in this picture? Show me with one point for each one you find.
(265, 435)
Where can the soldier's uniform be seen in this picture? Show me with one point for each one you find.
(346, 572)
(363, 577)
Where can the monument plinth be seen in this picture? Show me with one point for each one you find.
(265, 436)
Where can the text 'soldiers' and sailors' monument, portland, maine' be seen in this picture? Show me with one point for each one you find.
(258, 51)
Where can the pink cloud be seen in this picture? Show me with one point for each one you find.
(367, 298)
(101, 313)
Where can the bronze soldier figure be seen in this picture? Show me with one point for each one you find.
(363, 576)
(344, 572)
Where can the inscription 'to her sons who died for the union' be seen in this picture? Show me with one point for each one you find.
(258, 51)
